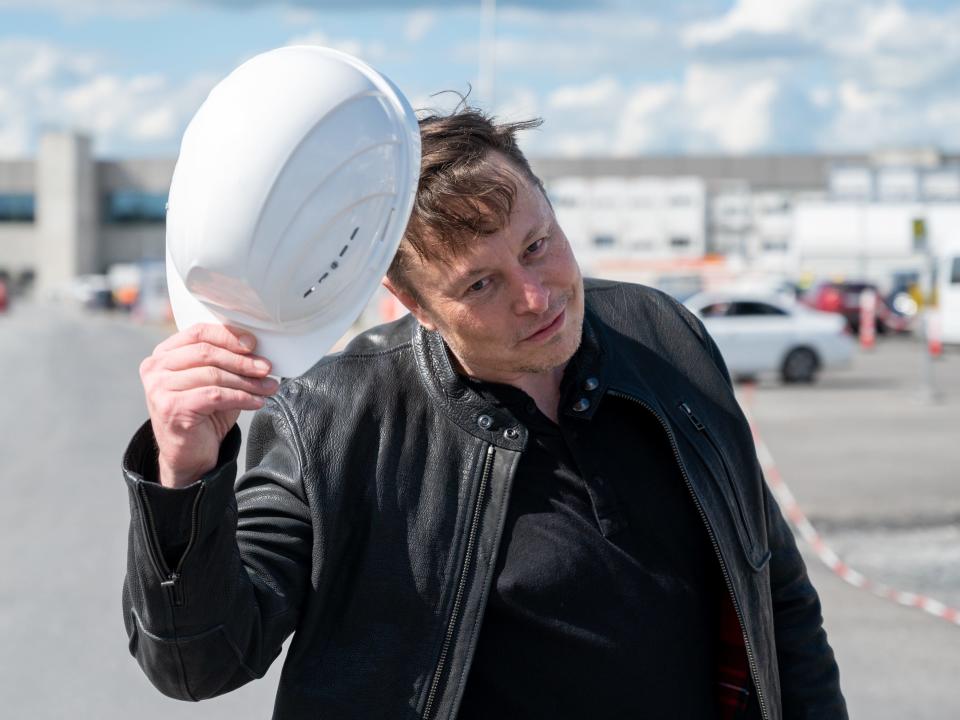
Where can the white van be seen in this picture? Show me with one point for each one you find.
(948, 295)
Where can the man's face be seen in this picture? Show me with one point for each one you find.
(511, 305)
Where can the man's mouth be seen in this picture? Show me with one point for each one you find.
(548, 329)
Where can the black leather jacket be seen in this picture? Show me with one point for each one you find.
(370, 517)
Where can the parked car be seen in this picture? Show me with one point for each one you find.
(763, 333)
(4, 299)
(948, 294)
(92, 292)
(844, 298)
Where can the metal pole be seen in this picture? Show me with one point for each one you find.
(486, 75)
(931, 393)
(921, 242)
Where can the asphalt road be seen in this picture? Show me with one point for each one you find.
(874, 465)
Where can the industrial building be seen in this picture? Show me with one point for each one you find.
(67, 213)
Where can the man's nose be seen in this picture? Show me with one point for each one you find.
(533, 295)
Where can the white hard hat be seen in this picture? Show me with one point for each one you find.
(292, 190)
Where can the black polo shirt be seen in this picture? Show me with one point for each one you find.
(605, 599)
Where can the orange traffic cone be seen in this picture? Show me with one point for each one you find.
(934, 339)
(868, 319)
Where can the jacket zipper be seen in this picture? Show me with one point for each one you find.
(754, 672)
(703, 430)
(169, 579)
(458, 598)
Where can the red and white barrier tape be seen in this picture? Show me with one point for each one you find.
(797, 518)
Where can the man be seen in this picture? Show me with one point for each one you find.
(531, 497)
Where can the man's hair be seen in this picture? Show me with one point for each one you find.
(461, 194)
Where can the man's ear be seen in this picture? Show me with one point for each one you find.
(410, 303)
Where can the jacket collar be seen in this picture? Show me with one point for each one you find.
(495, 424)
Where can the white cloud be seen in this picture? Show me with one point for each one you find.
(418, 24)
(641, 121)
(734, 111)
(865, 120)
(601, 91)
(43, 85)
(520, 103)
(723, 109)
(299, 16)
(753, 16)
(761, 75)
(580, 144)
(14, 137)
(601, 27)
(880, 67)
(854, 98)
(370, 52)
(821, 96)
(574, 43)
(157, 124)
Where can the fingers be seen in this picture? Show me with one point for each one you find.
(197, 377)
(210, 399)
(205, 369)
(204, 354)
(229, 338)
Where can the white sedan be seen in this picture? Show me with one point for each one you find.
(761, 333)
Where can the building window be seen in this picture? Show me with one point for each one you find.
(604, 241)
(135, 206)
(16, 207)
(679, 242)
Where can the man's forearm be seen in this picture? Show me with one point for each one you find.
(197, 623)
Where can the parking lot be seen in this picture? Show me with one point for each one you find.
(875, 466)
(872, 461)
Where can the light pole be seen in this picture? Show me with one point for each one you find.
(486, 73)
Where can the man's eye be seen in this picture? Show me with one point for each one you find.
(478, 285)
(534, 247)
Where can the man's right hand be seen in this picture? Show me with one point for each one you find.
(196, 383)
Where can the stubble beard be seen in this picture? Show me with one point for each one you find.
(557, 352)
(561, 358)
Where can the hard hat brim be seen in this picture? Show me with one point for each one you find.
(290, 354)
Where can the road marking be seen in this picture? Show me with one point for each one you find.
(798, 519)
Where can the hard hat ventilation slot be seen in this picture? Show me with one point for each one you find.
(333, 265)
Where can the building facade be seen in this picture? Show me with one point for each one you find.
(67, 213)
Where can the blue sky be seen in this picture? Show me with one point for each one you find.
(609, 77)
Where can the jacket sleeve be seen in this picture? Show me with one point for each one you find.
(216, 573)
(809, 676)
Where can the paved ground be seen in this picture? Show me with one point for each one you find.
(874, 466)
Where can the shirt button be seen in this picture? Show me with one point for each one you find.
(591, 383)
(581, 405)
(485, 422)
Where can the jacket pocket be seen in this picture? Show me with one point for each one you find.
(716, 460)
